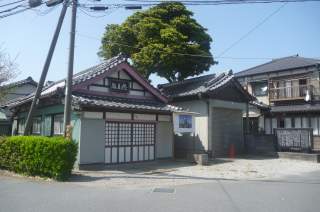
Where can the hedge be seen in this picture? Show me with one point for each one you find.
(36, 155)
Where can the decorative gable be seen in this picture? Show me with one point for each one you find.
(120, 81)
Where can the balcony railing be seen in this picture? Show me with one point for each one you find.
(290, 93)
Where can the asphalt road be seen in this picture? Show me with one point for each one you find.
(293, 193)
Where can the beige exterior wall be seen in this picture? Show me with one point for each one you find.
(201, 126)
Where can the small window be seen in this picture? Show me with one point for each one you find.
(261, 89)
(58, 124)
(36, 126)
(20, 126)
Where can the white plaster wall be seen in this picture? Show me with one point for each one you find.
(148, 94)
(25, 89)
(124, 116)
(93, 115)
(100, 82)
(164, 139)
(263, 99)
(124, 75)
(115, 75)
(165, 118)
(136, 86)
(96, 88)
(144, 117)
(138, 93)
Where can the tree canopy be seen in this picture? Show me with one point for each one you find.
(167, 27)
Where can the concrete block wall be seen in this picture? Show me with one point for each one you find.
(258, 144)
(316, 142)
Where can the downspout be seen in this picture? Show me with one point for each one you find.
(208, 111)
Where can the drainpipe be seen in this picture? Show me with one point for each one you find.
(208, 111)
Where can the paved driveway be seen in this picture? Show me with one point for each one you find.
(293, 193)
(180, 172)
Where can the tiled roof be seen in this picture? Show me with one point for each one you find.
(97, 100)
(29, 80)
(260, 104)
(195, 85)
(297, 107)
(291, 62)
(82, 76)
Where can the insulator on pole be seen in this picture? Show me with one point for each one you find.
(53, 3)
(133, 7)
(35, 3)
(98, 8)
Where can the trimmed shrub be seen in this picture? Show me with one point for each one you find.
(36, 155)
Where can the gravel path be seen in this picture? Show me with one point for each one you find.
(180, 172)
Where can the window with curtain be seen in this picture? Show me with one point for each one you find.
(281, 91)
(288, 90)
(36, 126)
(305, 122)
(287, 123)
(261, 89)
(58, 124)
(295, 89)
(297, 122)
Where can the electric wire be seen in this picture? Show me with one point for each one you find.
(11, 3)
(251, 30)
(237, 58)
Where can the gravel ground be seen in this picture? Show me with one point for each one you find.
(180, 172)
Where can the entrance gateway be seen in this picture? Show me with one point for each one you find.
(127, 142)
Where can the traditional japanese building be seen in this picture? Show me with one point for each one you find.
(118, 117)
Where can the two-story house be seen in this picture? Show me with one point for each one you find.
(20, 88)
(288, 94)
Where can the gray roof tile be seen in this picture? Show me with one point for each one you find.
(297, 107)
(82, 76)
(260, 104)
(29, 80)
(97, 100)
(195, 85)
(291, 62)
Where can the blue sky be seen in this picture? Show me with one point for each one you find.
(292, 30)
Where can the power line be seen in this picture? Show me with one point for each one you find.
(11, 3)
(252, 30)
(237, 58)
(20, 11)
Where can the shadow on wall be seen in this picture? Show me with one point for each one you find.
(184, 144)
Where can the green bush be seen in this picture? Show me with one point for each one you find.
(35, 155)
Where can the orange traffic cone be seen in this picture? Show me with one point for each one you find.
(231, 152)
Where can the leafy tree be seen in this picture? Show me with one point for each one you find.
(8, 72)
(167, 27)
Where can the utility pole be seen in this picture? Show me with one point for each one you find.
(68, 91)
(45, 70)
